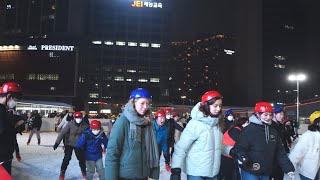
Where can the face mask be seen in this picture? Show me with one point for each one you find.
(168, 116)
(70, 114)
(12, 104)
(78, 120)
(113, 120)
(230, 118)
(95, 132)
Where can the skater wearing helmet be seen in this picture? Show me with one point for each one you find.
(259, 146)
(198, 152)
(10, 92)
(228, 119)
(305, 155)
(72, 131)
(132, 149)
(91, 141)
(162, 136)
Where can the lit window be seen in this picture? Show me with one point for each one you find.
(118, 78)
(31, 77)
(280, 58)
(50, 77)
(52, 88)
(94, 95)
(132, 44)
(144, 44)
(131, 71)
(120, 43)
(109, 43)
(143, 80)
(129, 79)
(155, 45)
(280, 66)
(96, 42)
(154, 79)
(6, 76)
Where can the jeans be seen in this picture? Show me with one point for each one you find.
(189, 177)
(304, 178)
(34, 130)
(95, 165)
(67, 157)
(248, 176)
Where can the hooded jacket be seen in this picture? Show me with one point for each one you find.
(306, 154)
(262, 145)
(92, 144)
(198, 152)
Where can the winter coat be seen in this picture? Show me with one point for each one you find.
(73, 132)
(125, 157)
(92, 144)
(262, 146)
(306, 155)
(172, 126)
(7, 135)
(282, 133)
(198, 152)
(162, 135)
(63, 122)
(177, 133)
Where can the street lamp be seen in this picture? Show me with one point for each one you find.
(297, 78)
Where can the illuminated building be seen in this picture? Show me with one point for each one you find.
(201, 65)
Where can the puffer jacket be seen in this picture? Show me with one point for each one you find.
(73, 132)
(262, 145)
(92, 144)
(162, 135)
(127, 158)
(198, 152)
(305, 155)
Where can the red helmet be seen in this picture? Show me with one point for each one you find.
(263, 107)
(11, 87)
(160, 113)
(210, 95)
(77, 114)
(174, 114)
(167, 110)
(95, 124)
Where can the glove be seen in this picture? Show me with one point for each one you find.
(242, 159)
(291, 175)
(175, 174)
(55, 146)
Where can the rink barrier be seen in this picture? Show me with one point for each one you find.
(48, 124)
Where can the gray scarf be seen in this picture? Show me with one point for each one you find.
(135, 133)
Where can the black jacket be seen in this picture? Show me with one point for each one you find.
(172, 125)
(281, 129)
(7, 135)
(262, 145)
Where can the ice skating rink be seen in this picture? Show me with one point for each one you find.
(41, 162)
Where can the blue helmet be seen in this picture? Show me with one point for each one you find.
(140, 93)
(228, 112)
(277, 109)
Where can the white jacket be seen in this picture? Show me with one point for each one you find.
(198, 151)
(305, 155)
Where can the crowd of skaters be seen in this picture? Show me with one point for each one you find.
(211, 146)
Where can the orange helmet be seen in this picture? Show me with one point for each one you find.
(209, 95)
(95, 124)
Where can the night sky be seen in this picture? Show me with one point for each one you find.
(191, 19)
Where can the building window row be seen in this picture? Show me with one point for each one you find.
(280, 66)
(121, 78)
(131, 44)
(6, 76)
(43, 77)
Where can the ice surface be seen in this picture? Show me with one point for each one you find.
(41, 162)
